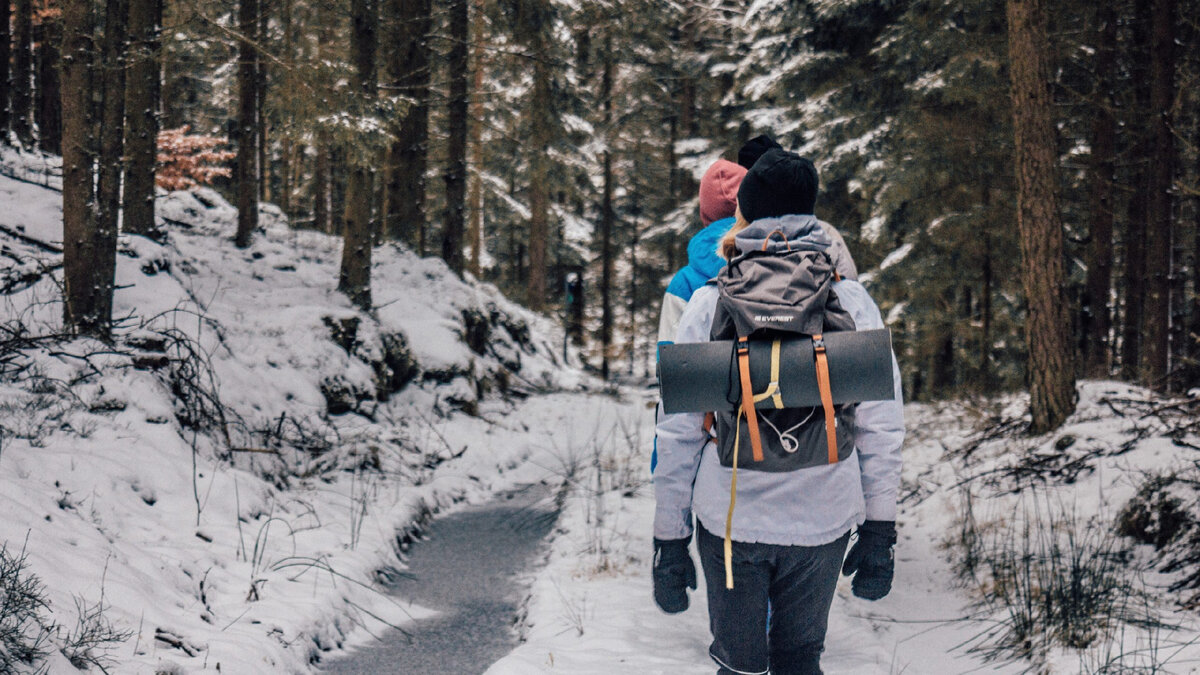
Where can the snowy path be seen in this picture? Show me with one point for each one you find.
(469, 572)
(592, 612)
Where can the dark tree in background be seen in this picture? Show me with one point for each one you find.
(22, 92)
(408, 68)
(1156, 315)
(247, 123)
(5, 71)
(89, 255)
(142, 89)
(48, 37)
(1097, 315)
(112, 122)
(358, 235)
(455, 174)
(1051, 359)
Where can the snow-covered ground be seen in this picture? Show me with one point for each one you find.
(592, 612)
(232, 480)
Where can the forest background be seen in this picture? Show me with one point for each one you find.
(553, 147)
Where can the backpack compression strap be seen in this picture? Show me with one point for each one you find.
(822, 363)
(743, 354)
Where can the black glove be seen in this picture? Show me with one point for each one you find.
(673, 572)
(871, 558)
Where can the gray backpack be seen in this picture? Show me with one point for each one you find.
(765, 296)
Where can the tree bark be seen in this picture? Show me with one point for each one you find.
(539, 165)
(607, 217)
(6, 81)
(22, 91)
(355, 277)
(1098, 286)
(48, 36)
(89, 255)
(141, 117)
(112, 123)
(456, 147)
(404, 206)
(1047, 327)
(263, 173)
(247, 124)
(1156, 316)
(475, 227)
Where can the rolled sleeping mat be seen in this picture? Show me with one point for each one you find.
(703, 376)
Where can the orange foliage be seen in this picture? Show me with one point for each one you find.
(187, 160)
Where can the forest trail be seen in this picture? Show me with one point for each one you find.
(470, 572)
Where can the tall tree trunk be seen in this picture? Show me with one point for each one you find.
(322, 176)
(475, 227)
(247, 124)
(985, 341)
(1096, 314)
(607, 217)
(48, 36)
(1047, 326)
(404, 207)
(22, 91)
(6, 81)
(287, 149)
(355, 277)
(1156, 317)
(141, 116)
(539, 167)
(263, 175)
(89, 255)
(1134, 282)
(112, 124)
(456, 146)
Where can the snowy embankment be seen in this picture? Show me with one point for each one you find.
(232, 480)
(994, 525)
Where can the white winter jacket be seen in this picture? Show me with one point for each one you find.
(808, 507)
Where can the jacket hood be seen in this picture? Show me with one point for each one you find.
(802, 232)
(702, 249)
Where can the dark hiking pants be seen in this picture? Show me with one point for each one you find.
(796, 581)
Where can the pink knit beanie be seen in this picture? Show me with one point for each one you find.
(718, 191)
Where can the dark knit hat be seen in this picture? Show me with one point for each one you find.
(754, 148)
(778, 184)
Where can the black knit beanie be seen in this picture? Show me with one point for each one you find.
(779, 183)
(754, 148)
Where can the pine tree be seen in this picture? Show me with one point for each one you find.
(247, 123)
(355, 276)
(6, 81)
(112, 123)
(22, 92)
(141, 116)
(89, 254)
(455, 175)
(1097, 315)
(1051, 363)
(1156, 316)
(409, 73)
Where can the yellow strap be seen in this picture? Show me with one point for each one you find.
(737, 437)
(777, 397)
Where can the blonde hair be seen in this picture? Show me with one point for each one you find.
(727, 247)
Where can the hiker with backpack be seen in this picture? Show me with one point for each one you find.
(718, 201)
(776, 492)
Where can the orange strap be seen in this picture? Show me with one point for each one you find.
(767, 241)
(743, 352)
(826, 397)
(710, 421)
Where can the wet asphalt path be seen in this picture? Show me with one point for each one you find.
(468, 571)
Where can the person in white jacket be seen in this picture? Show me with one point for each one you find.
(790, 529)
